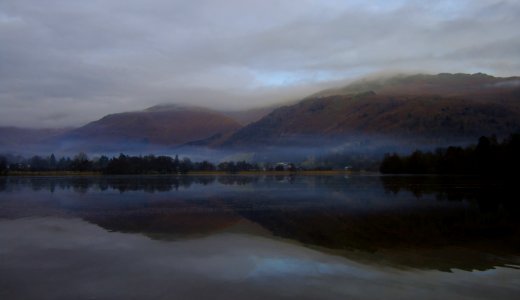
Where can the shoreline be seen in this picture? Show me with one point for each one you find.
(193, 173)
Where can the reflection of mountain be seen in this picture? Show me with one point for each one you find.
(463, 216)
(415, 222)
(396, 235)
(165, 220)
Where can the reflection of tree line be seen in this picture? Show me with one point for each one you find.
(474, 189)
(83, 184)
(487, 194)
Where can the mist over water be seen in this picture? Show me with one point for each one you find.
(295, 149)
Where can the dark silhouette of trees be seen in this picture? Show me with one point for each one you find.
(149, 164)
(122, 164)
(487, 157)
(81, 162)
(99, 164)
(127, 165)
(235, 167)
(204, 166)
(392, 163)
(185, 166)
(38, 163)
(3, 165)
(52, 162)
(64, 164)
(228, 166)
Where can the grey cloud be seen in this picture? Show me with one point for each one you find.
(82, 60)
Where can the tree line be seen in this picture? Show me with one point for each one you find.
(489, 156)
(37, 163)
(122, 164)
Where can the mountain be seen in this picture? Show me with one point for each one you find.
(427, 108)
(451, 85)
(161, 125)
(368, 115)
(22, 140)
(248, 116)
(16, 135)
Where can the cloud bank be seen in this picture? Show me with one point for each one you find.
(63, 63)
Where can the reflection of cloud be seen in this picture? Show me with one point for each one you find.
(84, 60)
(285, 266)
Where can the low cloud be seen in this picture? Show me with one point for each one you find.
(65, 63)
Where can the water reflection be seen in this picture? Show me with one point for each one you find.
(422, 222)
(67, 258)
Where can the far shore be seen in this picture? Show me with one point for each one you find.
(192, 173)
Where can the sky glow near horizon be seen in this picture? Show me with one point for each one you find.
(64, 63)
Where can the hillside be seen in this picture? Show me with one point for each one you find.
(432, 108)
(415, 110)
(478, 85)
(25, 140)
(164, 125)
(248, 116)
(16, 135)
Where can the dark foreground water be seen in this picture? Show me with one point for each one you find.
(259, 237)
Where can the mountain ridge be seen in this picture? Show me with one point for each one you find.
(429, 107)
(170, 125)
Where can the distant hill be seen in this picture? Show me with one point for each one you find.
(16, 135)
(430, 108)
(477, 85)
(23, 140)
(367, 115)
(154, 129)
(165, 125)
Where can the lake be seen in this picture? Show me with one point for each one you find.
(259, 237)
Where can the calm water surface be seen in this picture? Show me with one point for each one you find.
(259, 237)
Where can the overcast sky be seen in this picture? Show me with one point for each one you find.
(66, 62)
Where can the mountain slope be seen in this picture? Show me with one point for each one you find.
(17, 135)
(28, 140)
(166, 125)
(430, 107)
(478, 85)
(248, 116)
